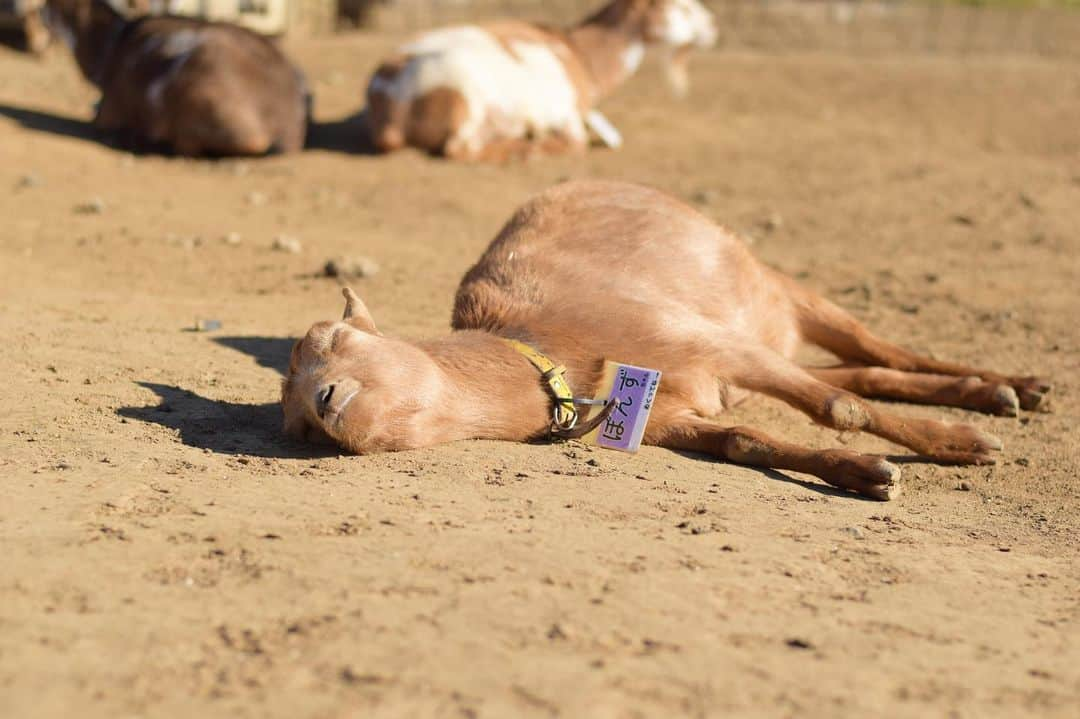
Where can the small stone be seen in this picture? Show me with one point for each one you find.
(95, 206)
(232, 239)
(798, 643)
(853, 531)
(287, 243)
(25, 182)
(964, 487)
(207, 325)
(773, 222)
(1023, 461)
(256, 198)
(183, 241)
(704, 197)
(351, 267)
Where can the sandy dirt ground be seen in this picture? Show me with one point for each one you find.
(166, 552)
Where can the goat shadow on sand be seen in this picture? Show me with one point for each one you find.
(230, 428)
(346, 135)
(814, 486)
(270, 352)
(51, 123)
(67, 126)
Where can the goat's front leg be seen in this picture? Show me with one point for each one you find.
(603, 129)
(760, 369)
(869, 476)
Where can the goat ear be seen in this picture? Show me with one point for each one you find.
(356, 313)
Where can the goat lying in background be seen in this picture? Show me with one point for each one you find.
(199, 88)
(500, 89)
(590, 271)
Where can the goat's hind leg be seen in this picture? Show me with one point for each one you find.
(832, 328)
(883, 383)
(759, 369)
(864, 474)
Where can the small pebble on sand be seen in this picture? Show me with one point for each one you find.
(202, 325)
(350, 267)
(704, 197)
(773, 222)
(207, 325)
(95, 206)
(25, 182)
(287, 243)
(256, 198)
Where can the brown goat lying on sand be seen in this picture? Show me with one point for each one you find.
(200, 88)
(590, 271)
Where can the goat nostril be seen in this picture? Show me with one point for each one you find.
(325, 394)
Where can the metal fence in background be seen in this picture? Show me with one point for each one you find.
(869, 26)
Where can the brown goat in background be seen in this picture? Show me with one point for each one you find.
(196, 87)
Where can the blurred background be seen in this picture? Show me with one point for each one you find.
(1043, 27)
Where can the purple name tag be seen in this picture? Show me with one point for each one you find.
(635, 389)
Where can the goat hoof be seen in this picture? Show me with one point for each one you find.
(871, 477)
(1005, 402)
(1032, 393)
(883, 493)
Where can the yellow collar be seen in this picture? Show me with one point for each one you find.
(565, 415)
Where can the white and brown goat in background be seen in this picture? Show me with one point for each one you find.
(509, 88)
(590, 271)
